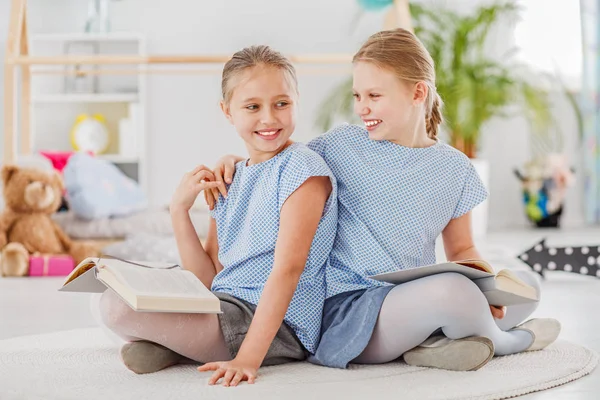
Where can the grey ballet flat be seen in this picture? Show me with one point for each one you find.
(466, 354)
(545, 331)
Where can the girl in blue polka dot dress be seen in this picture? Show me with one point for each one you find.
(267, 245)
(400, 188)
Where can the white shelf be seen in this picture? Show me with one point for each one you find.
(84, 37)
(117, 96)
(119, 159)
(87, 98)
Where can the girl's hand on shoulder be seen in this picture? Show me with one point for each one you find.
(233, 372)
(192, 183)
(223, 173)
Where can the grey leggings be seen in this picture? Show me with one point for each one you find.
(448, 302)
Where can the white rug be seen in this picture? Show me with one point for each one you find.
(84, 364)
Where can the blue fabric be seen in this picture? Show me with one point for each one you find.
(247, 228)
(348, 322)
(98, 189)
(393, 202)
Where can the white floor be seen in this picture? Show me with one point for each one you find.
(33, 305)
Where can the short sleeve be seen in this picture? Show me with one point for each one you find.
(318, 145)
(299, 168)
(473, 192)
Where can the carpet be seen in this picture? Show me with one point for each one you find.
(84, 364)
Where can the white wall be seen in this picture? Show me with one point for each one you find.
(185, 125)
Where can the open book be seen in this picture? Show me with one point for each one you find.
(144, 286)
(501, 289)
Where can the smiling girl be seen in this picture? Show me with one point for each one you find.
(267, 244)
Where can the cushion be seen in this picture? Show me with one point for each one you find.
(152, 220)
(145, 246)
(97, 188)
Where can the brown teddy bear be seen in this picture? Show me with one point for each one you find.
(31, 196)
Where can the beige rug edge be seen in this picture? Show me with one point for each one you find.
(554, 383)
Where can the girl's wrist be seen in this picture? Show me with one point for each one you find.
(249, 359)
(178, 211)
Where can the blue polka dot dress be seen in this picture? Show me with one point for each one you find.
(247, 229)
(393, 202)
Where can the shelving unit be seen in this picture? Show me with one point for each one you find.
(86, 98)
(84, 37)
(55, 105)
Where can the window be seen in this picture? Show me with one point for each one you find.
(549, 38)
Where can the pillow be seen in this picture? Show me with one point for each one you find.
(98, 189)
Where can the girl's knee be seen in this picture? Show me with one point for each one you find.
(456, 282)
(455, 288)
(113, 310)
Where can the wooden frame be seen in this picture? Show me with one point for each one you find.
(18, 58)
(16, 31)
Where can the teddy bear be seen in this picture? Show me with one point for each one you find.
(31, 196)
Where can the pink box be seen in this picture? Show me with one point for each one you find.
(50, 265)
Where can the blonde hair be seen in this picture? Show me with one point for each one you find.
(403, 53)
(254, 56)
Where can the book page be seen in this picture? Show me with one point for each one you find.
(477, 264)
(80, 269)
(507, 274)
(158, 282)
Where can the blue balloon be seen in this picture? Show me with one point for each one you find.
(372, 5)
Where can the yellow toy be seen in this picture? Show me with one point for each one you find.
(90, 134)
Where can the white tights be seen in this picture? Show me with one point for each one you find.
(195, 336)
(410, 314)
(415, 310)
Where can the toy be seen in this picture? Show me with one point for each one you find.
(58, 159)
(545, 183)
(26, 227)
(89, 134)
(584, 260)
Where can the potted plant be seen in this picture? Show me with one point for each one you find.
(474, 86)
